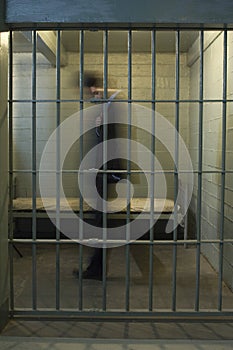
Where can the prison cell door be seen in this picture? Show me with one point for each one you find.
(173, 104)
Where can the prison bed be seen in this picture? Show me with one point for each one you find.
(23, 205)
(163, 209)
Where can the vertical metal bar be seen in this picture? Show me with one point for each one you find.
(199, 191)
(58, 166)
(223, 175)
(81, 65)
(105, 189)
(34, 227)
(176, 169)
(127, 281)
(11, 233)
(152, 179)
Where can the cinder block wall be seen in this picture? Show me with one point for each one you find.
(118, 79)
(212, 147)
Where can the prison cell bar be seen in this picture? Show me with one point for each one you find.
(73, 171)
(176, 168)
(223, 174)
(58, 163)
(121, 241)
(129, 136)
(133, 100)
(152, 175)
(200, 156)
(81, 152)
(34, 173)
(10, 114)
(105, 186)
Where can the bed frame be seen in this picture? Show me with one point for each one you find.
(23, 208)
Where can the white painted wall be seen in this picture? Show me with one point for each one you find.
(212, 146)
(118, 79)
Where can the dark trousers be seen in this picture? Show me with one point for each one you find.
(96, 262)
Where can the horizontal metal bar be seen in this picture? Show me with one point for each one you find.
(99, 315)
(122, 26)
(132, 242)
(102, 171)
(123, 100)
(73, 171)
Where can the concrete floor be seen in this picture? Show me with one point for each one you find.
(62, 334)
(116, 294)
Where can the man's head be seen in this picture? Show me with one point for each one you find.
(93, 84)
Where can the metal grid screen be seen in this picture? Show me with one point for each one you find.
(190, 88)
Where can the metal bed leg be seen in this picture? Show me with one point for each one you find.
(17, 250)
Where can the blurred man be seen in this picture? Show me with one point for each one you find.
(95, 267)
